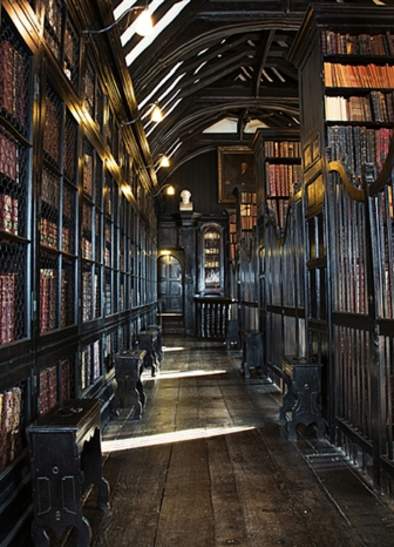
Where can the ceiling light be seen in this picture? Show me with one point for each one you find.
(170, 190)
(164, 162)
(144, 23)
(156, 114)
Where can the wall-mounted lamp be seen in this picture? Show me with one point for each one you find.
(169, 190)
(156, 115)
(164, 161)
(143, 23)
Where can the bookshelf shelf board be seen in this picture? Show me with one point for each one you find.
(88, 198)
(69, 181)
(283, 160)
(49, 210)
(89, 261)
(8, 121)
(369, 124)
(10, 237)
(355, 90)
(68, 255)
(356, 59)
(51, 164)
(48, 249)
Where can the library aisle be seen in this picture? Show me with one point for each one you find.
(207, 466)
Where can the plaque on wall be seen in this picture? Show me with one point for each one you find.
(315, 194)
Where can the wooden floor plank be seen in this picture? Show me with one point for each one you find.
(186, 513)
(229, 524)
(215, 469)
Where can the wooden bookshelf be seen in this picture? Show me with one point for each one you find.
(338, 293)
(77, 251)
(278, 171)
(212, 260)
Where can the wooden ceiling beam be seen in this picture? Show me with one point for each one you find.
(194, 63)
(188, 115)
(265, 47)
(236, 93)
(200, 41)
(217, 70)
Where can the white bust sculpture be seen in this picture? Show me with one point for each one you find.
(185, 204)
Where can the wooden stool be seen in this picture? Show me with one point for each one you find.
(252, 352)
(232, 335)
(159, 342)
(128, 370)
(65, 450)
(147, 340)
(301, 402)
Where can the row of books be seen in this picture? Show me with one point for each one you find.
(248, 216)
(66, 311)
(70, 52)
(365, 76)
(233, 236)
(8, 287)
(337, 43)
(278, 208)
(248, 197)
(48, 233)
(47, 299)
(65, 380)
(87, 179)
(52, 130)
(107, 257)
(282, 149)
(87, 249)
(68, 205)
(13, 70)
(50, 189)
(351, 292)
(9, 160)
(86, 218)
(9, 214)
(87, 296)
(47, 394)
(356, 146)
(375, 107)
(107, 298)
(10, 425)
(66, 240)
(282, 178)
(211, 264)
(90, 365)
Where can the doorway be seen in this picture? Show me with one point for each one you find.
(170, 274)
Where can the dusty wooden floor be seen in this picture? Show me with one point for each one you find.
(207, 466)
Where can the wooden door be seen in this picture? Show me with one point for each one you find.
(170, 285)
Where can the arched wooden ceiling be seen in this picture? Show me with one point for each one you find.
(217, 58)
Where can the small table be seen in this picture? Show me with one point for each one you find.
(128, 370)
(65, 450)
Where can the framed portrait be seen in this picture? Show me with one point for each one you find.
(235, 169)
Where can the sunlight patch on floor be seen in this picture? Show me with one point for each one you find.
(167, 349)
(176, 374)
(171, 437)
